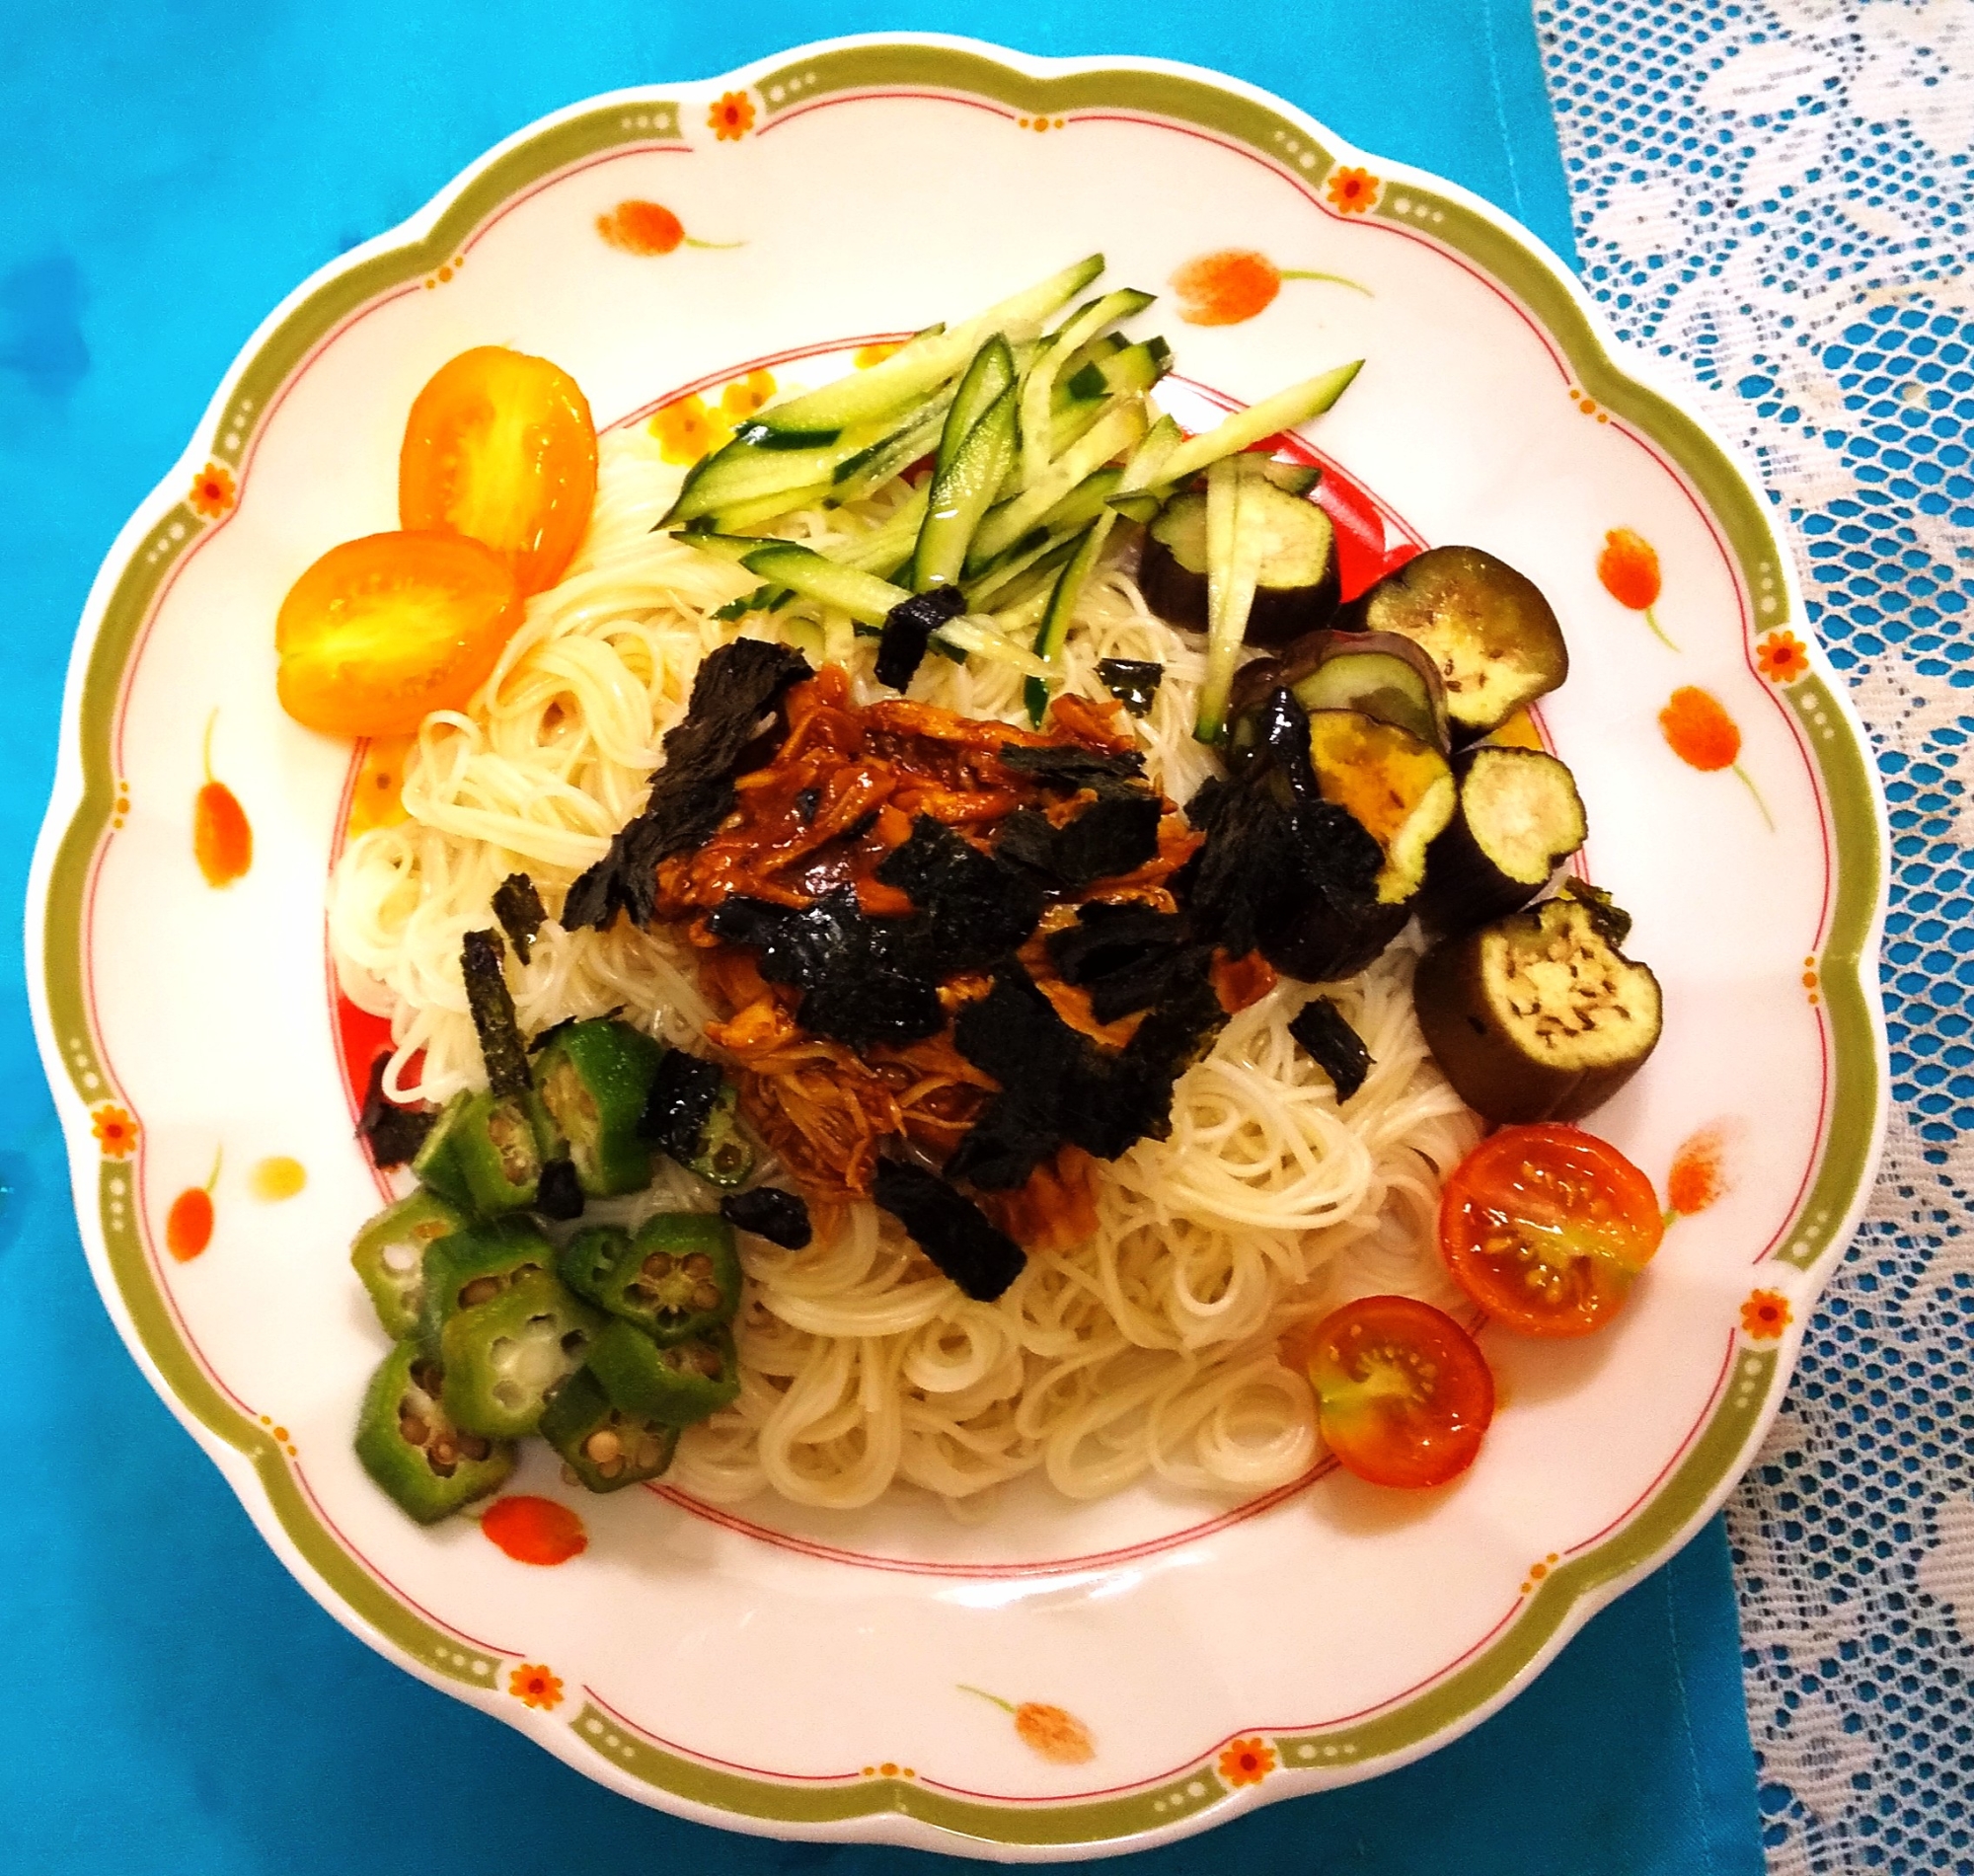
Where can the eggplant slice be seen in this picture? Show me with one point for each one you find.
(1538, 1015)
(1298, 586)
(1400, 791)
(1488, 630)
(1380, 673)
(1519, 818)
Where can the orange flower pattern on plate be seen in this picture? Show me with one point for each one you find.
(1225, 289)
(535, 1531)
(1051, 1732)
(188, 1223)
(116, 1131)
(222, 838)
(1765, 1316)
(1352, 192)
(874, 354)
(1699, 729)
(212, 492)
(686, 430)
(377, 797)
(744, 396)
(732, 117)
(1057, 1736)
(1628, 571)
(640, 227)
(1247, 1761)
(1699, 1175)
(535, 1686)
(1783, 657)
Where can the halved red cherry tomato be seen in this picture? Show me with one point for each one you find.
(381, 630)
(1544, 1227)
(1403, 1395)
(500, 447)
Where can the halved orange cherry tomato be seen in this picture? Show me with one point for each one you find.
(500, 447)
(381, 630)
(1544, 1227)
(1403, 1395)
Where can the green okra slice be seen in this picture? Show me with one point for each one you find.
(503, 1359)
(436, 1162)
(499, 1149)
(673, 1386)
(473, 1266)
(677, 1279)
(692, 1113)
(414, 1448)
(605, 1448)
(593, 1079)
(389, 1254)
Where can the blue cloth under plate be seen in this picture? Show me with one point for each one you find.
(172, 1702)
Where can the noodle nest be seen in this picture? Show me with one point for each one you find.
(1150, 1349)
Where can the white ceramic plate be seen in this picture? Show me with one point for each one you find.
(1164, 1664)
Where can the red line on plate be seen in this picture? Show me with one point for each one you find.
(866, 97)
(402, 1594)
(709, 1758)
(728, 373)
(1692, 1433)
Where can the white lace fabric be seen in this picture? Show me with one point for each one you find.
(1774, 197)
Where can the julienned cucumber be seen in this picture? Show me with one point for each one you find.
(973, 456)
(863, 596)
(929, 359)
(1244, 428)
(1038, 393)
(1234, 548)
(1073, 513)
(1119, 428)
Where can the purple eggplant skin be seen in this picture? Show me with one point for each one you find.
(1487, 629)
(1177, 593)
(1464, 885)
(1418, 707)
(1325, 945)
(1537, 1015)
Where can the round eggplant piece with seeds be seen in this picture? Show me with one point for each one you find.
(1297, 590)
(1538, 1015)
(1519, 818)
(1489, 632)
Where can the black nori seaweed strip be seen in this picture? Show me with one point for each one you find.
(693, 792)
(862, 979)
(782, 1217)
(1015, 1034)
(1056, 1085)
(519, 906)
(1113, 835)
(1133, 682)
(974, 907)
(393, 1132)
(908, 629)
(1334, 1046)
(1073, 766)
(949, 1229)
(1274, 847)
(681, 1097)
(492, 1006)
(1124, 956)
(806, 803)
(1107, 939)
(560, 1194)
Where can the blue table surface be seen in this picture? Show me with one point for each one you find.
(178, 1703)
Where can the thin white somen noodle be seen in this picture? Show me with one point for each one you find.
(1150, 1348)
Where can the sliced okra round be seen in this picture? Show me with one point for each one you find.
(673, 1386)
(503, 1359)
(389, 1254)
(605, 1446)
(411, 1447)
